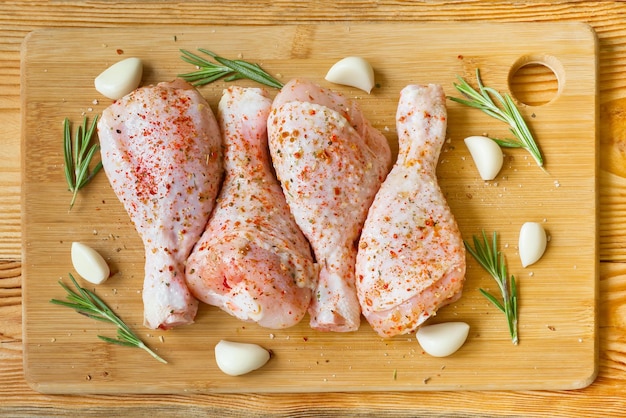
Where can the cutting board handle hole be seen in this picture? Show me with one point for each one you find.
(536, 80)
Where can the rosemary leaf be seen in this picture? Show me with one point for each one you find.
(207, 73)
(116, 341)
(231, 69)
(492, 260)
(87, 303)
(78, 153)
(492, 299)
(506, 112)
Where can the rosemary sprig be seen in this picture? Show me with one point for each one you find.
(507, 112)
(493, 261)
(78, 155)
(87, 303)
(231, 69)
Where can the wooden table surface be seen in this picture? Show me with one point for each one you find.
(605, 397)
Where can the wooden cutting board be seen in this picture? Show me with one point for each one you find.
(552, 67)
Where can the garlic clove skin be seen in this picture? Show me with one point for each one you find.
(353, 72)
(532, 243)
(89, 264)
(236, 359)
(444, 339)
(487, 156)
(120, 78)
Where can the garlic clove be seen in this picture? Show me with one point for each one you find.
(120, 79)
(487, 156)
(89, 264)
(444, 339)
(353, 72)
(532, 243)
(236, 359)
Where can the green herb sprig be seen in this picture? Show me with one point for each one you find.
(507, 112)
(493, 261)
(78, 155)
(87, 303)
(231, 69)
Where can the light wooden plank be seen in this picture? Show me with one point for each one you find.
(558, 328)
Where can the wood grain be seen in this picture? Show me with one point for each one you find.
(555, 353)
(603, 398)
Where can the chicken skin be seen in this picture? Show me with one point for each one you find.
(252, 260)
(330, 162)
(411, 258)
(161, 151)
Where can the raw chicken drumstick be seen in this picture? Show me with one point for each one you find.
(411, 258)
(161, 150)
(330, 162)
(252, 261)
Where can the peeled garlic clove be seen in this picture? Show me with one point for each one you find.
(487, 156)
(532, 243)
(120, 79)
(441, 340)
(89, 264)
(236, 359)
(353, 72)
